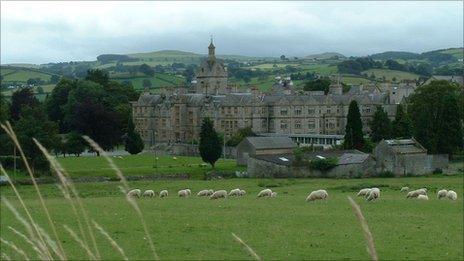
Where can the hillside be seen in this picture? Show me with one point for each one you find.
(326, 55)
(394, 56)
(22, 74)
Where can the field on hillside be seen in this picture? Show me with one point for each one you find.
(282, 228)
(389, 74)
(159, 80)
(22, 74)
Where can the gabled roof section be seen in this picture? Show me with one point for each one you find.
(405, 146)
(271, 142)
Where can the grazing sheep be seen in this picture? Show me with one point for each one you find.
(423, 197)
(234, 192)
(205, 192)
(242, 192)
(404, 189)
(364, 192)
(134, 193)
(374, 194)
(317, 194)
(163, 193)
(189, 192)
(273, 194)
(265, 193)
(183, 193)
(416, 193)
(452, 195)
(442, 193)
(148, 193)
(219, 194)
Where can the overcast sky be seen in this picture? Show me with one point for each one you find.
(40, 32)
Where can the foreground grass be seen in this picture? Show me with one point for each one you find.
(282, 228)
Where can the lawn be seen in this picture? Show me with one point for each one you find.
(281, 228)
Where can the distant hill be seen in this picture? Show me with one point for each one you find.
(325, 56)
(395, 56)
(457, 53)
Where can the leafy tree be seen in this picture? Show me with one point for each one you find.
(380, 125)
(353, 132)
(35, 124)
(75, 144)
(240, 135)
(146, 83)
(20, 99)
(133, 141)
(147, 70)
(4, 108)
(98, 76)
(54, 79)
(56, 101)
(282, 57)
(401, 126)
(322, 84)
(436, 116)
(210, 144)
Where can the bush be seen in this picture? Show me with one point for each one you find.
(386, 174)
(323, 164)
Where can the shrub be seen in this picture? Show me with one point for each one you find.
(323, 164)
(386, 174)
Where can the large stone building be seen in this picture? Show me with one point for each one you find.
(177, 116)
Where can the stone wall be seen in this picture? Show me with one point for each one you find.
(438, 161)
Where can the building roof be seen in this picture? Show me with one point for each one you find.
(271, 142)
(405, 146)
(282, 159)
(352, 158)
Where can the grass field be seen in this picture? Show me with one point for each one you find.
(389, 74)
(282, 228)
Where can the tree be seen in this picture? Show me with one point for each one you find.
(98, 76)
(401, 126)
(436, 116)
(54, 79)
(20, 99)
(57, 100)
(210, 144)
(147, 70)
(34, 124)
(240, 135)
(282, 57)
(322, 84)
(133, 141)
(75, 144)
(380, 125)
(146, 83)
(353, 132)
(4, 108)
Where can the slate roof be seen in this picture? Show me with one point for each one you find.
(271, 142)
(406, 146)
(351, 158)
(283, 159)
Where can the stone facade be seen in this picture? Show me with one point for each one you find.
(177, 116)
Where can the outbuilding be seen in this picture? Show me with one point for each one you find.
(255, 146)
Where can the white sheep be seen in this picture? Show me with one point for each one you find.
(265, 193)
(364, 192)
(317, 194)
(205, 192)
(234, 192)
(218, 194)
(148, 193)
(189, 192)
(442, 193)
(163, 193)
(416, 193)
(134, 193)
(423, 197)
(374, 194)
(183, 193)
(273, 194)
(452, 195)
(242, 192)
(404, 189)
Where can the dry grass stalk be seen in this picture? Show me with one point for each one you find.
(110, 239)
(40, 241)
(367, 233)
(79, 241)
(131, 201)
(67, 186)
(5, 256)
(9, 130)
(15, 248)
(247, 248)
(40, 254)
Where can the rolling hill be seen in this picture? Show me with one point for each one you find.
(326, 56)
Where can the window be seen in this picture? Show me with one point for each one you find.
(297, 112)
(263, 110)
(312, 124)
(329, 111)
(311, 111)
(235, 110)
(283, 112)
(297, 125)
(263, 124)
(331, 125)
(283, 125)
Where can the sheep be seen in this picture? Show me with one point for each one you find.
(452, 195)
(183, 193)
(234, 192)
(374, 194)
(423, 197)
(442, 193)
(265, 193)
(148, 193)
(189, 192)
(242, 192)
(218, 194)
(163, 193)
(364, 192)
(134, 193)
(205, 192)
(416, 193)
(317, 194)
(273, 194)
(404, 189)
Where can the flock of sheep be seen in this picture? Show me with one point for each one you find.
(369, 193)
